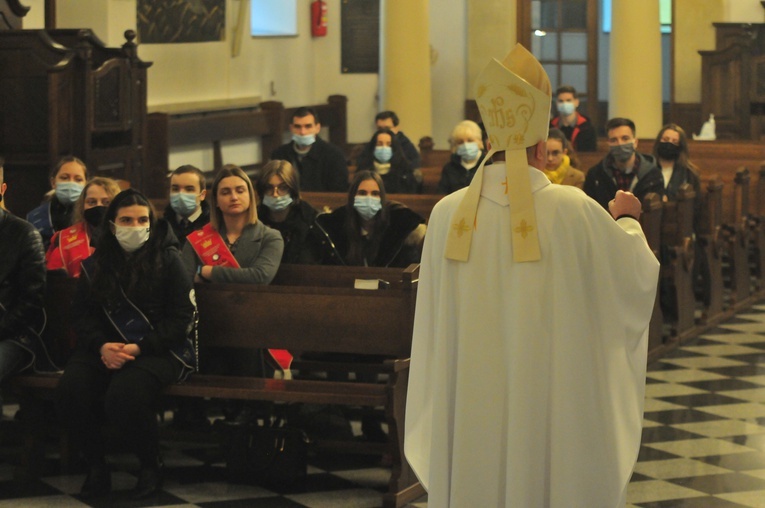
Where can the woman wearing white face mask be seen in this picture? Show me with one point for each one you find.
(67, 180)
(384, 155)
(282, 209)
(133, 312)
(467, 153)
(370, 230)
(70, 246)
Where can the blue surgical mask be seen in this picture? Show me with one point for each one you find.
(183, 203)
(468, 151)
(68, 192)
(277, 204)
(566, 108)
(304, 140)
(383, 153)
(367, 206)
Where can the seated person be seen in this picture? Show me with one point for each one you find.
(71, 246)
(322, 166)
(623, 168)
(561, 161)
(235, 247)
(671, 151)
(389, 120)
(577, 127)
(282, 209)
(385, 156)
(67, 180)
(133, 310)
(370, 230)
(467, 153)
(22, 293)
(187, 210)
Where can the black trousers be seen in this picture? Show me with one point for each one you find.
(89, 396)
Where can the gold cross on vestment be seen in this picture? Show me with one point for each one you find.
(460, 227)
(504, 184)
(524, 229)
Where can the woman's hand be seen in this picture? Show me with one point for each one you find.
(116, 354)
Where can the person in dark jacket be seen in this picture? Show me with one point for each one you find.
(467, 153)
(67, 180)
(187, 210)
(282, 209)
(134, 309)
(370, 230)
(577, 127)
(389, 120)
(22, 291)
(623, 168)
(384, 155)
(322, 166)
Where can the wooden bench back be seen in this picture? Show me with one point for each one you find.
(678, 218)
(420, 203)
(711, 208)
(321, 318)
(650, 220)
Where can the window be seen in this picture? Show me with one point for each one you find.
(269, 18)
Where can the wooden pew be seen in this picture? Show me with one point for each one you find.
(713, 244)
(650, 221)
(677, 267)
(307, 308)
(736, 234)
(757, 230)
(214, 122)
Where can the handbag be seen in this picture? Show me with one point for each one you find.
(273, 456)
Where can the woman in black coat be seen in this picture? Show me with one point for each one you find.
(384, 155)
(370, 230)
(133, 311)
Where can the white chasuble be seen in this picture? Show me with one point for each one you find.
(527, 379)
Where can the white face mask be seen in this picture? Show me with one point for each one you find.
(131, 238)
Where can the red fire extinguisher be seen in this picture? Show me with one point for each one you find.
(319, 18)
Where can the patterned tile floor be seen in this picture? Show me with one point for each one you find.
(703, 445)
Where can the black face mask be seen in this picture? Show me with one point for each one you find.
(668, 151)
(95, 215)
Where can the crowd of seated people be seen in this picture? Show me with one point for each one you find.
(130, 262)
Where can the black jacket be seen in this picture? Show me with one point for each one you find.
(454, 176)
(600, 185)
(323, 168)
(392, 252)
(299, 232)
(182, 232)
(22, 277)
(167, 305)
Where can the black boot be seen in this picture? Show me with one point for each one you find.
(98, 482)
(149, 480)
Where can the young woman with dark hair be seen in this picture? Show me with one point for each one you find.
(282, 209)
(133, 313)
(370, 230)
(384, 155)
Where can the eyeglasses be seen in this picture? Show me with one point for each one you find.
(554, 153)
(281, 190)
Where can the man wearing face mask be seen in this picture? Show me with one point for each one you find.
(623, 168)
(577, 127)
(321, 165)
(187, 211)
(22, 291)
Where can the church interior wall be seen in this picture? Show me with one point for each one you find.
(305, 70)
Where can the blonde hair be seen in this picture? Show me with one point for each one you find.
(466, 129)
(110, 186)
(216, 215)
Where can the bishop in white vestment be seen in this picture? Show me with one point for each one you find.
(528, 370)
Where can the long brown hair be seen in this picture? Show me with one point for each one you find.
(683, 160)
(566, 144)
(358, 247)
